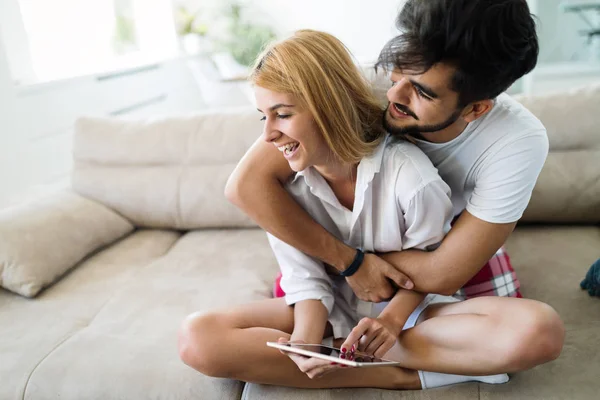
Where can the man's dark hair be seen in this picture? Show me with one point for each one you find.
(491, 43)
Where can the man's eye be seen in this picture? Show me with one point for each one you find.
(422, 94)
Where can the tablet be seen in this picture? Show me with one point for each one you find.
(332, 354)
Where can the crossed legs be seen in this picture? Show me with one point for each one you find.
(481, 336)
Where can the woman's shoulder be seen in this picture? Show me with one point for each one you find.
(408, 161)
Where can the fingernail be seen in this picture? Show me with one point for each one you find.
(353, 348)
(333, 363)
(408, 285)
(343, 349)
(343, 356)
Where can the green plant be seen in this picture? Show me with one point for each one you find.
(246, 40)
(187, 23)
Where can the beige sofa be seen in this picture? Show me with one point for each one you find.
(146, 237)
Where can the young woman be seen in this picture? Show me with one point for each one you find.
(375, 193)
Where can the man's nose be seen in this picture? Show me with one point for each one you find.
(400, 92)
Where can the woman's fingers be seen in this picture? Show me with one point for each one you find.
(359, 330)
(375, 344)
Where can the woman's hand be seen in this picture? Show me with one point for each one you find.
(374, 336)
(314, 368)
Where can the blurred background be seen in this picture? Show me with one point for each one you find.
(62, 59)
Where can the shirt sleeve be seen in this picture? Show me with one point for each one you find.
(427, 216)
(505, 181)
(302, 277)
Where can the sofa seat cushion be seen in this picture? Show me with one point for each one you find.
(467, 391)
(129, 348)
(33, 329)
(551, 262)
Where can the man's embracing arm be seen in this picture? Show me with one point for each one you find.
(464, 251)
(256, 187)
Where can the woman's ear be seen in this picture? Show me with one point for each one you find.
(477, 109)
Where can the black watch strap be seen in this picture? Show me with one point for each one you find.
(356, 263)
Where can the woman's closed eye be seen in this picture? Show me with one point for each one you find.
(280, 116)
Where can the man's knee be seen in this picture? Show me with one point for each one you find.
(198, 343)
(538, 338)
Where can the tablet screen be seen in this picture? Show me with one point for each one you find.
(333, 352)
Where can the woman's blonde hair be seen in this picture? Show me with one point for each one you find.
(318, 69)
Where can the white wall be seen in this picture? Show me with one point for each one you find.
(36, 123)
(363, 26)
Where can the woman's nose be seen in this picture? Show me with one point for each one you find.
(270, 134)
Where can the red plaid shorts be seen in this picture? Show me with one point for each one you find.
(496, 278)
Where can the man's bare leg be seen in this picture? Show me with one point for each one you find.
(482, 336)
(232, 344)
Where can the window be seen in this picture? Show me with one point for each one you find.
(52, 40)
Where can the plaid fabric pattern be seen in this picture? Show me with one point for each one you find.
(496, 278)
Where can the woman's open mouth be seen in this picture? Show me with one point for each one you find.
(289, 149)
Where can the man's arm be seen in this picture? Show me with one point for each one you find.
(468, 246)
(256, 187)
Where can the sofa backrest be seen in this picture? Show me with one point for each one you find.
(568, 189)
(171, 173)
(166, 173)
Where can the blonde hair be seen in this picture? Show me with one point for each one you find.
(318, 69)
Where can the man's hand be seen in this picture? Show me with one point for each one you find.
(373, 280)
(374, 336)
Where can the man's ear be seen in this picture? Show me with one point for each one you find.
(476, 110)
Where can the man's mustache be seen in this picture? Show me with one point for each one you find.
(405, 109)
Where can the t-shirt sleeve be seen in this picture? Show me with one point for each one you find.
(427, 216)
(505, 180)
(302, 277)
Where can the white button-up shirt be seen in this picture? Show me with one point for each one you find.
(400, 203)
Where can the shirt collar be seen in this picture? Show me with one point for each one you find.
(367, 168)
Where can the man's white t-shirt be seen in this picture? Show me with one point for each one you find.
(493, 165)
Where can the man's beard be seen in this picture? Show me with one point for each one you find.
(416, 130)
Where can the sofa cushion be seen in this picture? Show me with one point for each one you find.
(115, 336)
(128, 347)
(165, 173)
(568, 189)
(41, 240)
(33, 329)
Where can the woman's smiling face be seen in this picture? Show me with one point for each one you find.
(291, 128)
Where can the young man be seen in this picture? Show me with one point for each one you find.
(449, 68)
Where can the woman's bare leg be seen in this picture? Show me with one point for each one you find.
(482, 336)
(232, 344)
